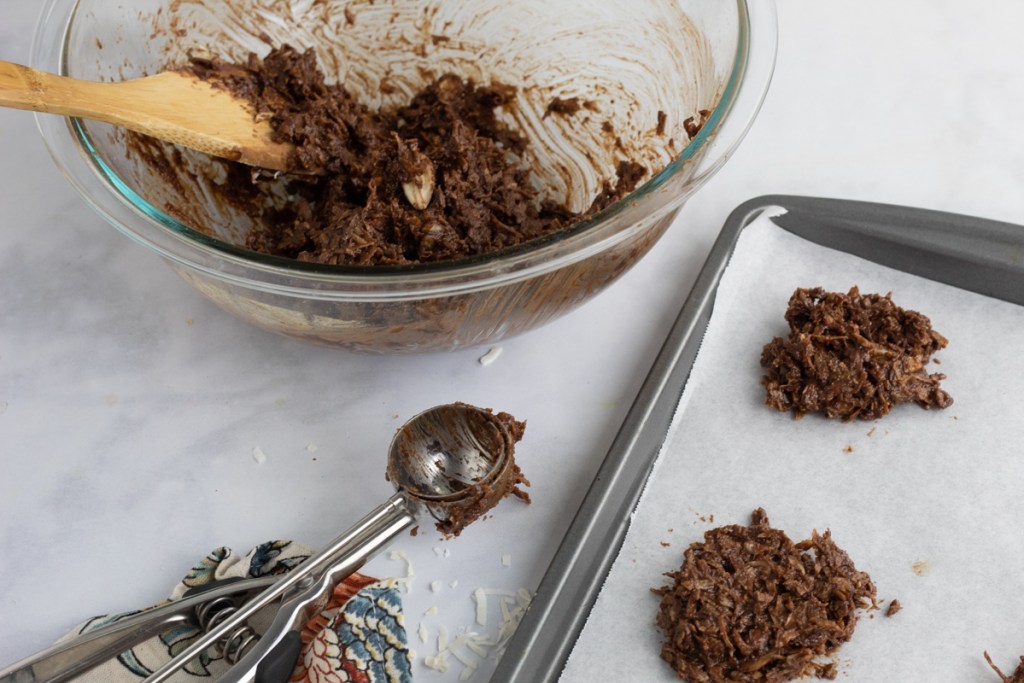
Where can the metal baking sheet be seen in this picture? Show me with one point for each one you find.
(977, 255)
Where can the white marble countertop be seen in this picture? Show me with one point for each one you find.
(130, 406)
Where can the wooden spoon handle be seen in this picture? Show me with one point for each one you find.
(124, 104)
(172, 106)
(135, 104)
(22, 87)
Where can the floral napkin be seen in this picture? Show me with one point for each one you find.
(358, 637)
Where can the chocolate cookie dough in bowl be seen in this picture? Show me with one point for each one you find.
(649, 97)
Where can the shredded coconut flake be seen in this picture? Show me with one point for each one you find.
(258, 455)
(311, 447)
(470, 648)
(466, 660)
(438, 663)
(477, 647)
(422, 632)
(480, 596)
(506, 560)
(435, 586)
(431, 611)
(490, 356)
(506, 613)
(406, 582)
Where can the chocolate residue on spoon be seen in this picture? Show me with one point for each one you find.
(457, 462)
(482, 498)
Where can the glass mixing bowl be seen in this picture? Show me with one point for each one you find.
(642, 67)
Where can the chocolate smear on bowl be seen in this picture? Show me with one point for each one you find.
(750, 605)
(565, 106)
(851, 356)
(693, 124)
(438, 179)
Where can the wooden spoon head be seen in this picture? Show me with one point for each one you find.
(200, 116)
(173, 106)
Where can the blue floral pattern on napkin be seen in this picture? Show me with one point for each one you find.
(358, 637)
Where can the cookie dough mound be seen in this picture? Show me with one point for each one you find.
(851, 356)
(749, 605)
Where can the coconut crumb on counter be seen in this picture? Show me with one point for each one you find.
(405, 582)
(469, 647)
(436, 663)
(481, 606)
(258, 455)
(491, 356)
(439, 662)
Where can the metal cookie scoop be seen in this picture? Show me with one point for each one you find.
(455, 461)
(437, 460)
(448, 460)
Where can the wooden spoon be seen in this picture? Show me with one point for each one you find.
(171, 106)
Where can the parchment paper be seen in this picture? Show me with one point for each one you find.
(929, 503)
